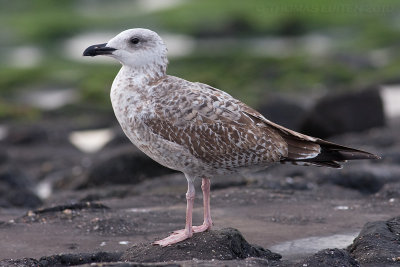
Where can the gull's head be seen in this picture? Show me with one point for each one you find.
(136, 48)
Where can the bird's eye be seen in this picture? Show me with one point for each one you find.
(134, 40)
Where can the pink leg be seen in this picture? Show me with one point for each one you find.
(205, 186)
(181, 235)
(207, 223)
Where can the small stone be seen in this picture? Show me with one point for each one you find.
(67, 211)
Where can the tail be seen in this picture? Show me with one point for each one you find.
(321, 153)
(307, 150)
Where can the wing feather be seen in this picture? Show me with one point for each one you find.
(211, 125)
(224, 132)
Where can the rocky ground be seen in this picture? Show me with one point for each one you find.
(62, 206)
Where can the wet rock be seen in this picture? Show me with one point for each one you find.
(15, 189)
(378, 244)
(123, 166)
(25, 262)
(80, 258)
(225, 244)
(348, 112)
(330, 257)
(284, 111)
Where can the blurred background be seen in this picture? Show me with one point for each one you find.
(330, 69)
(248, 48)
(55, 110)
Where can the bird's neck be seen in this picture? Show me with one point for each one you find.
(144, 75)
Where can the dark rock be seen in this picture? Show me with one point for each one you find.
(330, 257)
(361, 176)
(347, 112)
(76, 206)
(365, 181)
(389, 190)
(14, 177)
(3, 156)
(25, 262)
(11, 197)
(284, 111)
(80, 258)
(15, 189)
(26, 134)
(225, 244)
(123, 166)
(378, 244)
(392, 156)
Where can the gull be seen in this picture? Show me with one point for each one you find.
(197, 129)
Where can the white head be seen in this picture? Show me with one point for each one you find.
(139, 49)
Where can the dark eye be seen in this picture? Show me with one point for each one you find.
(134, 40)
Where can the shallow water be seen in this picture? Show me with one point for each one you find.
(310, 245)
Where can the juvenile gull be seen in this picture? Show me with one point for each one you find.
(197, 129)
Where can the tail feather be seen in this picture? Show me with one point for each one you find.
(307, 150)
(322, 153)
(301, 149)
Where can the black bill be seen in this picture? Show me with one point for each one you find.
(97, 50)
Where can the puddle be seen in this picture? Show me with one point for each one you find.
(91, 141)
(311, 245)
